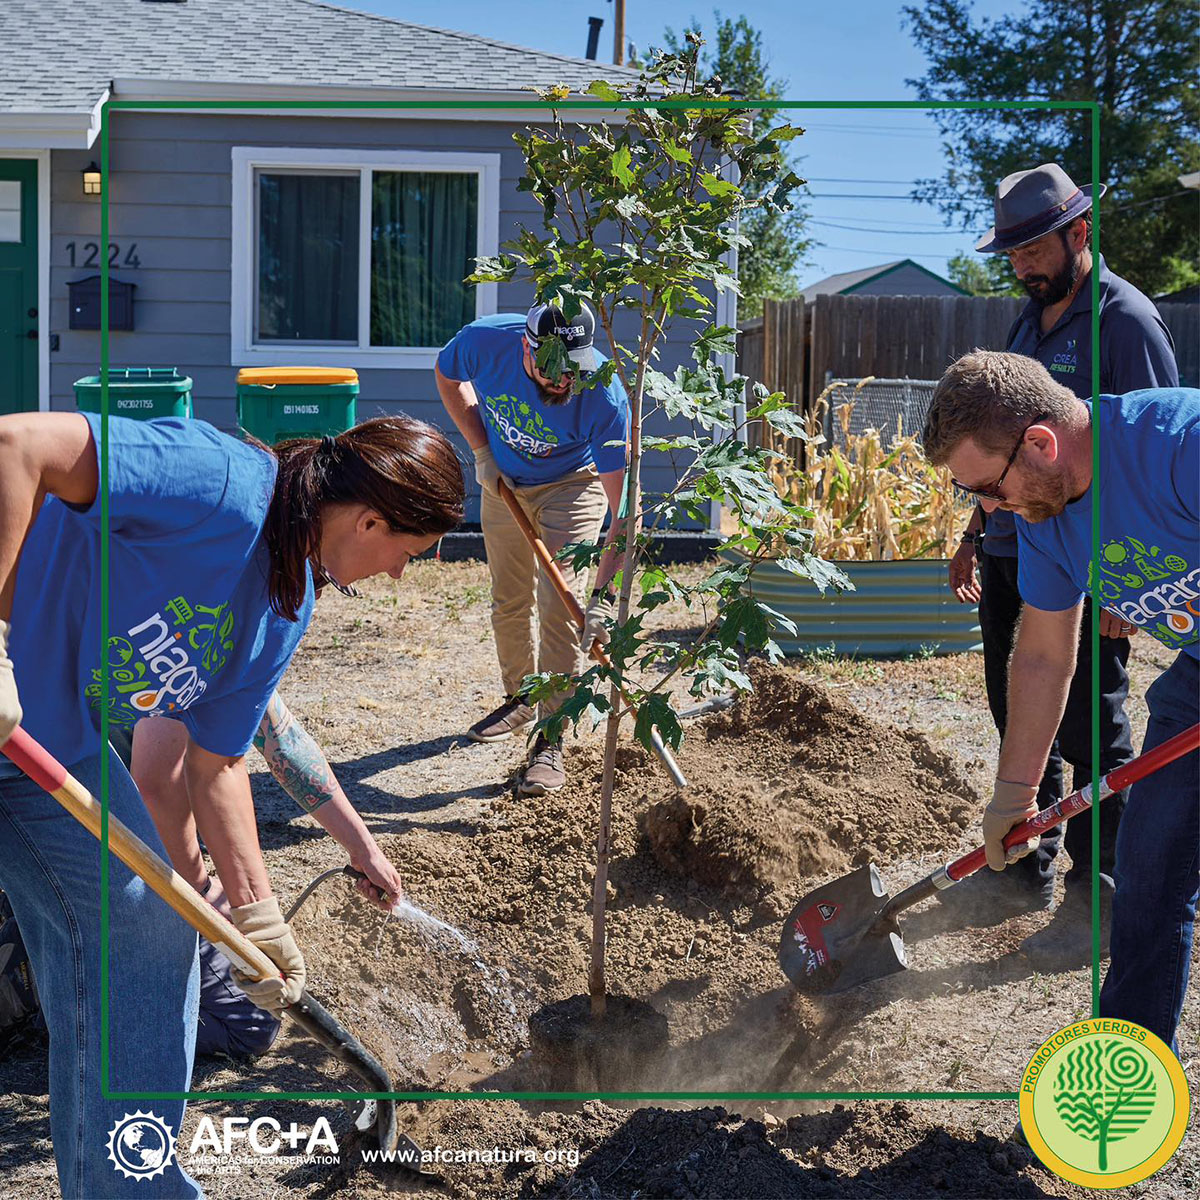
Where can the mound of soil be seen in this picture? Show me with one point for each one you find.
(789, 787)
(793, 782)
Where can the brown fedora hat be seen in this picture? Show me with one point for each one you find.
(1031, 204)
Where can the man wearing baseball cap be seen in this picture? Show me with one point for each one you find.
(1043, 225)
(561, 445)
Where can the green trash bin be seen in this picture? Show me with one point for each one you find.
(274, 403)
(141, 392)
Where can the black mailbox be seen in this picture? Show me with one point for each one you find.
(85, 303)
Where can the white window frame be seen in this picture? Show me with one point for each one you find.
(243, 266)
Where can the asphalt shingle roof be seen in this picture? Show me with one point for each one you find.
(60, 55)
(832, 285)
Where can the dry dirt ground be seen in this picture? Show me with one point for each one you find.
(831, 764)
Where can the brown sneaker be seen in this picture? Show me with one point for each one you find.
(502, 722)
(545, 770)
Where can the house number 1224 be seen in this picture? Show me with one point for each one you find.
(91, 255)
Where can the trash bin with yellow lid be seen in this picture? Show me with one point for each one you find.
(142, 392)
(274, 403)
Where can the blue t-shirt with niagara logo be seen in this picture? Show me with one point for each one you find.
(191, 634)
(534, 442)
(1148, 570)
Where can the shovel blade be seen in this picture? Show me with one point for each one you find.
(837, 937)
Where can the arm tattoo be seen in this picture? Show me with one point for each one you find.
(295, 759)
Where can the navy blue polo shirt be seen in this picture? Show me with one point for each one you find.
(1136, 352)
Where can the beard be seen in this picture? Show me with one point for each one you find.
(1050, 289)
(1046, 494)
(553, 398)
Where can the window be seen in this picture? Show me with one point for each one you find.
(363, 261)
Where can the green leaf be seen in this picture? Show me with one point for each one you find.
(715, 186)
(681, 154)
(621, 159)
(603, 89)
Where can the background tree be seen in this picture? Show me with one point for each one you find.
(778, 243)
(984, 275)
(1137, 58)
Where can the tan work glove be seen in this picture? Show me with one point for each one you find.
(10, 706)
(1011, 804)
(487, 473)
(263, 923)
(600, 608)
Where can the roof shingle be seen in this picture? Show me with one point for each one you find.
(60, 55)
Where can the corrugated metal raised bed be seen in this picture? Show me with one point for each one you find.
(900, 607)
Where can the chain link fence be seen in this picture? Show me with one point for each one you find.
(889, 405)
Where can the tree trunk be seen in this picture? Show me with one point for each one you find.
(597, 987)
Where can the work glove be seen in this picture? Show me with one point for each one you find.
(487, 473)
(1011, 804)
(263, 923)
(10, 706)
(600, 609)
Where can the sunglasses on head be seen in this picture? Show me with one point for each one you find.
(991, 491)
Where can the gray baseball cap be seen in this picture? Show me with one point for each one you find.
(577, 334)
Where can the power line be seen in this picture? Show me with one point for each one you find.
(896, 230)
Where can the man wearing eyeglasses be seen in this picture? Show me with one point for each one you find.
(1024, 444)
(518, 389)
(1043, 225)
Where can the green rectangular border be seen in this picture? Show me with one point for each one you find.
(110, 106)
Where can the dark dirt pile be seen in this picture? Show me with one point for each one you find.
(794, 782)
(870, 1150)
(789, 787)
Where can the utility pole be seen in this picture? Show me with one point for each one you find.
(618, 32)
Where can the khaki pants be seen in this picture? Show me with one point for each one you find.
(566, 510)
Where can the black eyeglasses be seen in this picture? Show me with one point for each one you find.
(992, 491)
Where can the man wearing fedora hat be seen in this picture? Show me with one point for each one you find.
(1043, 225)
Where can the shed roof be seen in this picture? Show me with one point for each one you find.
(61, 55)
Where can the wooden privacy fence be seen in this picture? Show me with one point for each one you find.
(796, 345)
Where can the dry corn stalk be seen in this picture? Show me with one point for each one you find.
(871, 502)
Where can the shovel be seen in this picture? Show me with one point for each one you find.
(378, 1112)
(555, 575)
(846, 933)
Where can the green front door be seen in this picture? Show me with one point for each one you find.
(18, 285)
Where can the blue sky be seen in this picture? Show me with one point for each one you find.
(860, 164)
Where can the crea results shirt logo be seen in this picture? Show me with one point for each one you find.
(1104, 1103)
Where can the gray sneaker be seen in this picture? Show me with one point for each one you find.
(503, 722)
(545, 770)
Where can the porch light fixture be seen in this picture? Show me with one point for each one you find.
(91, 180)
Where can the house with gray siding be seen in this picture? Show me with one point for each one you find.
(900, 278)
(319, 208)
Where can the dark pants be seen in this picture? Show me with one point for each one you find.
(1154, 906)
(999, 611)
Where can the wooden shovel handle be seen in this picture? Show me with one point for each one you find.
(554, 574)
(48, 773)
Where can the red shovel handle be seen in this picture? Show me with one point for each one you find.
(1069, 806)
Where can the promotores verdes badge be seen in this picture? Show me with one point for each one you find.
(1104, 1103)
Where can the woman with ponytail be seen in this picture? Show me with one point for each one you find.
(213, 546)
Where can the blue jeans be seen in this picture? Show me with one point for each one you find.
(50, 868)
(1158, 869)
